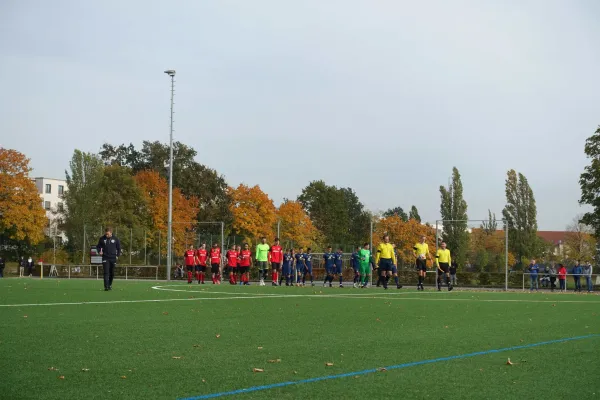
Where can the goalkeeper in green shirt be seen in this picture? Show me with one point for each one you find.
(262, 259)
(364, 258)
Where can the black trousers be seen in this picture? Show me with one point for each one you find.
(553, 282)
(109, 272)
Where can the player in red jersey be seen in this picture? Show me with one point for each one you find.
(232, 260)
(190, 262)
(245, 262)
(275, 258)
(201, 257)
(237, 269)
(215, 264)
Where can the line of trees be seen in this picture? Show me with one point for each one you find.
(126, 186)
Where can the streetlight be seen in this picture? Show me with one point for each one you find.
(171, 73)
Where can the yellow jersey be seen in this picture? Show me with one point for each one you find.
(385, 250)
(421, 249)
(443, 256)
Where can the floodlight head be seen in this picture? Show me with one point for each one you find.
(170, 72)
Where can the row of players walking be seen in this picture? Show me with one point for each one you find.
(296, 266)
(551, 273)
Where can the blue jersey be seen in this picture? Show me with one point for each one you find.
(288, 259)
(329, 259)
(533, 269)
(300, 259)
(355, 259)
(308, 258)
(338, 259)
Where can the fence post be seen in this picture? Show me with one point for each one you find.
(159, 248)
(145, 249)
(126, 273)
(130, 243)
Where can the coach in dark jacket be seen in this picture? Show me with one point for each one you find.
(109, 248)
(2, 265)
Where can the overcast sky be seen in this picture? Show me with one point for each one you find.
(381, 96)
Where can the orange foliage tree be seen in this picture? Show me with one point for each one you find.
(404, 234)
(296, 226)
(156, 194)
(254, 214)
(487, 250)
(22, 217)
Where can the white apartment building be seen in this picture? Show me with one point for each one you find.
(51, 192)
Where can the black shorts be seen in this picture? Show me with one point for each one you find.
(385, 264)
(231, 270)
(190, 268)
(276, 266)
(214, 268)
(444, 267)
(243, 270)
(421, 264)
(200, 268)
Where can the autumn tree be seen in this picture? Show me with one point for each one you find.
(491, 225)
(404, 234)
(22, 217)
(414, 214)
(296, 226)
(520, 214)
(155, 191)
(487, 251)
(580, 243)
(254, 214)
(454, 213)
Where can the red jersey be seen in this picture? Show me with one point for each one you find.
(276, 254)
(215, 256)
(232, 258)
(190, 258)
(245, 258)
(202, 256)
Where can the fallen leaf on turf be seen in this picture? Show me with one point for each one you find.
(446, 326)
(24, 316)
(258, 370)
(176, 358)
(52, 369)
(85, 369)
(295, 372)
(356, 377)
(508, 362)
(274, 361)
(329, 364)
(553, 305)
(196, 345)
(218, 336)
(61, 377)
(260, 347)
(521, 340)
(203, 380)
(481, 369)
(123, 377)
(382, 369)
(378, 320)
(165, 313)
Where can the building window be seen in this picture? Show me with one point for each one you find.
(48, 188)
(60, 207)
(61, 190)
(47, 205)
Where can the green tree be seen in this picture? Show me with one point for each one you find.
(589, 182)
(414, 214)
(399, 211)
(520, 214)
(191, 177)
(454, 213)
(491, 225)
(82, 199)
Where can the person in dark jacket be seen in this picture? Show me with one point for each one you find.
(2, 265)
(109, 248)
(30, 266)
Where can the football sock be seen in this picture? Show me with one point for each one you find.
(341, 280)
(396, 280)
(387, 279)
(189, 276)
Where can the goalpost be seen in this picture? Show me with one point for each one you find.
(478, 221)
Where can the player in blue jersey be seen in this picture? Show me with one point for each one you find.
(339, 265)
(300, 265)
(288, 260)
(355, 262)
(328, 257)
(308, 269)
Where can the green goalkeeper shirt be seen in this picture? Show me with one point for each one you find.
(364, 257)
(262, 252)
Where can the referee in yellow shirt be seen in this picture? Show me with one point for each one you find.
(385, 259)
(422, 253)
(443, 261)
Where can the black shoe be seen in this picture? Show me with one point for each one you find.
(450, 288)
(399, 287)
(110, 288)
(106, 289)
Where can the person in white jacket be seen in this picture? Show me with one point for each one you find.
(587, 272)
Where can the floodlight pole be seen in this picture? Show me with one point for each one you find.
(171, 73)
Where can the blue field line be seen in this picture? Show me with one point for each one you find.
(373, 370)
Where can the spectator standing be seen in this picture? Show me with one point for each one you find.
(562, 277)
(30, 266)
(453, 268)
(577, 271)
(552, 274)
(2, 265)
(110, 249)
(533, 271)
(22, 265)
(587, 272)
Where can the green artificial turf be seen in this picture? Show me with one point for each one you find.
(206, 342)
